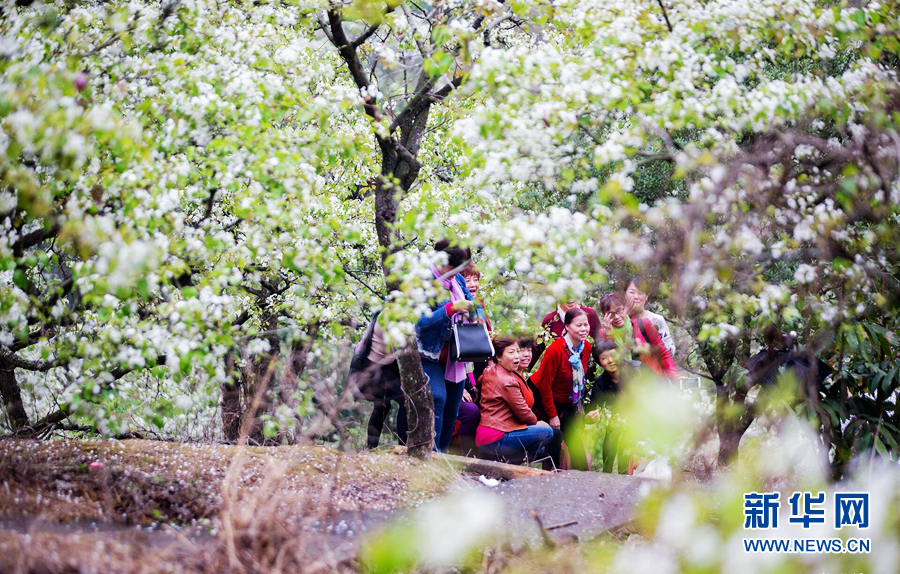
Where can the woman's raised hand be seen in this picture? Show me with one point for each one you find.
(607, 321)
(463, 305)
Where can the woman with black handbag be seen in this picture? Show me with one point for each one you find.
(445, 375)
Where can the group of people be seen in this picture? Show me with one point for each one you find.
(505, 409)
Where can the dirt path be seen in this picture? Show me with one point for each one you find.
(137, 506)
(572, 504)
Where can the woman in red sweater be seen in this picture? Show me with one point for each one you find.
(635, 334)
(561, 378)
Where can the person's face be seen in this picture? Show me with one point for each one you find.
(510, 357)
(618, 316)
(635, 299)
(578, 329)
(607, 360)
(525, 355)
(472, 282)
(567, 306)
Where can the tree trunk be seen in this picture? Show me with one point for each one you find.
(16, 417)
(719, 360)
(731, 426)
(400, 168)
(300, 354)
(231, 402)
(259, 380)
(399, 171)
(257, 402)
(729, 439)
(419, 403)
(290, 382)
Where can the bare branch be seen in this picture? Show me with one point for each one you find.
(365, 36)
(665, 15)
(487, 31)
(409, 18)
(590, 134)
(29, 240)
(27, 364)
(352, 274)
(413, 107)
(323, 25)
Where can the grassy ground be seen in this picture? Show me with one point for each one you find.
(147, 506)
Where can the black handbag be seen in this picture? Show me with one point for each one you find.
(469, 341)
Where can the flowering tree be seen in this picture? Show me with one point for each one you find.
(766, 131)
(171, 217)
(401, 122)
(175, 211)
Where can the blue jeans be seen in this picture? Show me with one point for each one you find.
(515, 446)
(447, 397)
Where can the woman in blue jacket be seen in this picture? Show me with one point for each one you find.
(445, 377)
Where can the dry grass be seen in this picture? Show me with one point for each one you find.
(242, 509)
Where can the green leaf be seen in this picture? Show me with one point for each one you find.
(881, 449)
(20, 279)
(438, 64)
(891, 380)
(184, 364)
(143, 288)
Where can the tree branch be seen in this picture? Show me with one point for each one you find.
(32, 338)
(210, 201)
(590, 134)
(242, 318)
(445, 91)
(412, 107)
(363, 283)
(233, 224)
(27, 364)
(323, 25)
(409, 17)
(654, 157)
(487, 31)
(61, 291)
(365, 36)
(407, 155)
(346, 49)
(348, 53)
(665, 15)
(29, 240)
